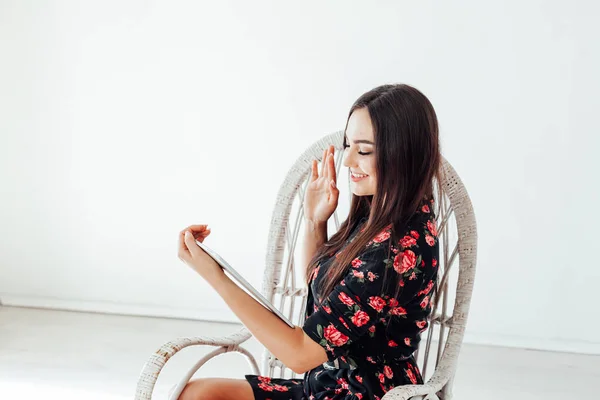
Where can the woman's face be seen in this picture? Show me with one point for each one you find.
(359, 156)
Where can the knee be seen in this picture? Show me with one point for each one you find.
(193, 391)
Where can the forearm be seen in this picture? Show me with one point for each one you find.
(281, 340)
(315, 234)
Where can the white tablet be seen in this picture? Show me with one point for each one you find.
(241, 281)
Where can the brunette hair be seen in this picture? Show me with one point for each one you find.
(408, 159)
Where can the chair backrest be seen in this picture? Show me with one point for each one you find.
(283, 283)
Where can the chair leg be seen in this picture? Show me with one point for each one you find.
(447, 390)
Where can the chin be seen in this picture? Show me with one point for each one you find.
(362, 193)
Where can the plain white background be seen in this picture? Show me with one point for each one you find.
(122, 122)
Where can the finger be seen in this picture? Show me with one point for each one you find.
(333, 193)
(314, 171)
(326, 165)
(331, 165)
(323, 159)
(333, 171)
(197, 230)
(190, 242)
(183, 251)
(203, 232)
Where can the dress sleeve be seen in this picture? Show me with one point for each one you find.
(365, 296)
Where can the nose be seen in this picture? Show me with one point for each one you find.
(348, 160)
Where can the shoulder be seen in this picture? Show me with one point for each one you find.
(417, 247)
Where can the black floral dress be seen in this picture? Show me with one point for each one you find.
(368, 334)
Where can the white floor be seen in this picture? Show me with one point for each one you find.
(63, 355)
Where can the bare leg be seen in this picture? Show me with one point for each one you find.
(217, 389)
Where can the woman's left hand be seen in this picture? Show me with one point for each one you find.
(191, 254)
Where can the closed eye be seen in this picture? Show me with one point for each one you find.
(360, 152)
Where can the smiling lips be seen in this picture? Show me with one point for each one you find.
(357, 177)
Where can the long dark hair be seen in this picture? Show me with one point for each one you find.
(408, 158)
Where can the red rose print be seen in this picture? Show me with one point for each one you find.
(281, 388)
(401, 284)
(398, 311)
(359, 378)
(408, 261)
(315, 273)
(412, 277)
(371, 276)
(377, 303)
(335, 337)
(344, 323)
(388, 372)
(327, 309)
(381, 377)
(432, 228)
(393, 302)
(360, 318)
(398, 262)
(408, 241)
(343, 383)
(359, 275)
(382, 236)
(359, 395)
(346, 299)
(265, 387)
(265, 379)
(425, 302)
(391, 343)
(421, 324)
(411, 376)
(414, 234)
(430, 240)
(372, 329)
(425, 208)
(357, 262)
(434, 263)
(405, 261)
(427, 289)
(407, 341)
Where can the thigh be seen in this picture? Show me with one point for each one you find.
(217, 389)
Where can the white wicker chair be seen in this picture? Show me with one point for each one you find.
(279, 283)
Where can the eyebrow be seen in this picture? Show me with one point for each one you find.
(361, 141)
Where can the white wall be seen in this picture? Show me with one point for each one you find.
(125, 121)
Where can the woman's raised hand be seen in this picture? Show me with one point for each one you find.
(322, 194)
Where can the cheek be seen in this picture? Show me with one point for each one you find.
(369, 168)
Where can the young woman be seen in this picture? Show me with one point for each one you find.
(370, 285)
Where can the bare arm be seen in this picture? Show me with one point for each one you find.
(320, 202)
(290, 345)
(315, 234)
